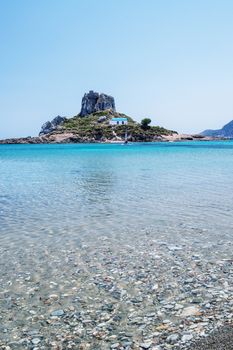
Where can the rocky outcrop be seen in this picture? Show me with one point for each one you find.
(94, 102)
(100, 109)
(51, 126)
(226, 131)
(72, 137)
(102, 119)
(186, 137)
(22, 140)
(48, 138)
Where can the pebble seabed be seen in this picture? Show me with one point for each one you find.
(118, 291)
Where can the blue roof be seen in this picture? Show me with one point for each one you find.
(119, 119)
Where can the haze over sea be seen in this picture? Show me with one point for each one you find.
(89, 225)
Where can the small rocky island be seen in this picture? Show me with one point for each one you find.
(93, 124)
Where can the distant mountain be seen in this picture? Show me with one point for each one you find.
(226, 131)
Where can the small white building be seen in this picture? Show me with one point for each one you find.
(119, 121)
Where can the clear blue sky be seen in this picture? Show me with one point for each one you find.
(170, 60)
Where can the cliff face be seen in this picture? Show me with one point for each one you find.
(51, 126)
(226, 131)
(94, 102)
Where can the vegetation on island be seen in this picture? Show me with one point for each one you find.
(145, 123)
(97, 126)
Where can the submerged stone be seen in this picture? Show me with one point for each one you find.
(57, 313)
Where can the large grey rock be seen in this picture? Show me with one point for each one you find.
(51, 126)
(102, 119)
(95, 102)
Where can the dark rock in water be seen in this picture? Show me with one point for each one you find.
(95, 102)
(226, 131)
(51, 126)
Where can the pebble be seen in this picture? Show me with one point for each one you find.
(120, 292)
(186, 337)
(190, 311)
(57, 313)
(173, 338)
(145, 345)
(36, 341)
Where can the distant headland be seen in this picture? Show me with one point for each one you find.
(98, 121)
(226, 131)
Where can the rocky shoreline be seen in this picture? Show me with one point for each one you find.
(74, 138)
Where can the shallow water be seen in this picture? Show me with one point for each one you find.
(105, 188)
(74, 216)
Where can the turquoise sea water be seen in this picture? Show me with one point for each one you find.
(106, 234)
(96, 189)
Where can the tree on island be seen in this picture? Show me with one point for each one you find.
(145, 123)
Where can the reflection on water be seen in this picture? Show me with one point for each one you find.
(94, 186)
